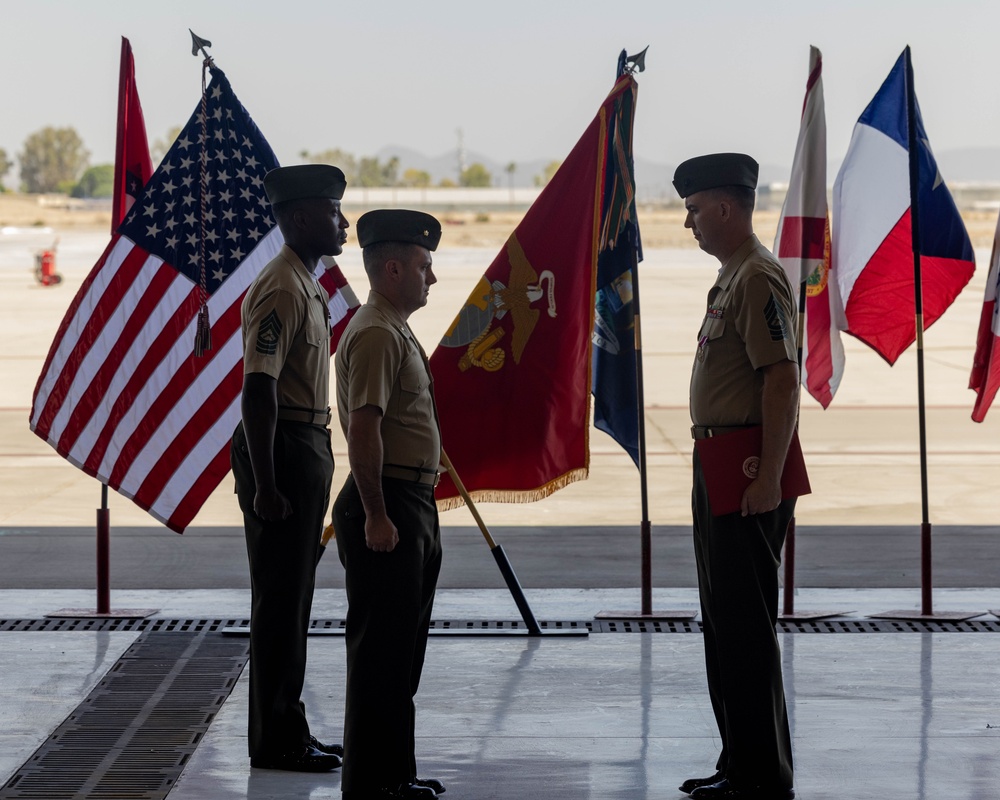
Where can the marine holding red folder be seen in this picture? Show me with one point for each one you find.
(744, 385)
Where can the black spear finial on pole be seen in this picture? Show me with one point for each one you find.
(197, 43)
(636, 63)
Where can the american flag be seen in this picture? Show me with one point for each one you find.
(122, 395)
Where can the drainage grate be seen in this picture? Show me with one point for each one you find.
(646, 626)
(119, 624)
(472, 626)
(808, 626)
(132, 736)
(201, 626)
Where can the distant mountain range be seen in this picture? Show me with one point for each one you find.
(965, 165)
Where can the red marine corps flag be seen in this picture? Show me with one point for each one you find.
(803, 244)
(512, 373)
(123, 394)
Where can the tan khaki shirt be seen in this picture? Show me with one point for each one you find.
(286, 332)
(379, 362)
(751, 322)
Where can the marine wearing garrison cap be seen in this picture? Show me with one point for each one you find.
(712, 171)
(388, 532)
(744, 375)
(282, 461)
(399, 225)
(304, 181)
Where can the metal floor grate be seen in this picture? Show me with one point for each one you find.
(119, 624)
(808, 626)
(204, 626)
(133, 734)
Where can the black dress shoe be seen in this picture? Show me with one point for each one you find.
(303, 759)
(696, 783)
(330, 749)
(405, 791)
(724, 790)
(431, 783)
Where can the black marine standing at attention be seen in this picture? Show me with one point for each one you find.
(282, 460)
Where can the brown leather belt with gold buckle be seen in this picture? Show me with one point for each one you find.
(708, 431)
(428, 477)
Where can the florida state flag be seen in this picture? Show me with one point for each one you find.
(512, 373)
(802, 244)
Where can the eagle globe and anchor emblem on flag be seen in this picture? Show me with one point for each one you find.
(474, 327)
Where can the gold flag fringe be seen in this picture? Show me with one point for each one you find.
(522, 496)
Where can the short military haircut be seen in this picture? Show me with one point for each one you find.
(376, 255)
(742, 196)
(284, 210)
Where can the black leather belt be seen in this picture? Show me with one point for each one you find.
(708, 431)
(429, 477)
(307, 415)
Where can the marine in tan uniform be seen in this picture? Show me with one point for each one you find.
(282, 460)
(745, 373)
(386, 520)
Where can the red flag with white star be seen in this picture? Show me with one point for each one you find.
(133, 165)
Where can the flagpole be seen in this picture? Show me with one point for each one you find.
(126, 97)
(926, 603)
(788, 590)
(125, 77)
(646, 534)
(534, 629)
(103, 554)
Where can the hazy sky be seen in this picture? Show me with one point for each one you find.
(522, 79)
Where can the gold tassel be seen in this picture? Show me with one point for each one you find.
(519, 496)
(203, 334)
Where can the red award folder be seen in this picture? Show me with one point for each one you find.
(730, 461)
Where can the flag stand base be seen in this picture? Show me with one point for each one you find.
(653, 616)
(807, 615)
(916, 616)
(90, 613)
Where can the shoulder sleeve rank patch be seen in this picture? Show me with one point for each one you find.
(268, 334)
(775, 318)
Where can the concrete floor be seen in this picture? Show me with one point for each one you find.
(623, 716)
(898, 715)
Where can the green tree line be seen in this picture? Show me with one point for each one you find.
(370, 172)
(55, 160)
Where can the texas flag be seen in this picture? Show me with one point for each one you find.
(985, 378)
(872, 239)
(802, 244)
